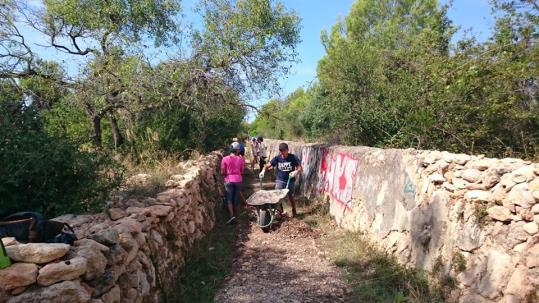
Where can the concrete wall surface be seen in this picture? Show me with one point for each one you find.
(471, 218)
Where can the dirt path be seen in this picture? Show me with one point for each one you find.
(283, 265)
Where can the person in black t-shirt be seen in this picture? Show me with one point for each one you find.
(287, 165)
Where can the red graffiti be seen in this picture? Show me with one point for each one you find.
(337, 176)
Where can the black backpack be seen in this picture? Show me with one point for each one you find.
(33, 227)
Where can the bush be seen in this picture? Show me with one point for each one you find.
(48, 173)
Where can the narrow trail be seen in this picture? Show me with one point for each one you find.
(283, 265)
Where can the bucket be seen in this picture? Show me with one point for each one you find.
(4, 259)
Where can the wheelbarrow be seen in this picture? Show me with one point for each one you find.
(266, 204)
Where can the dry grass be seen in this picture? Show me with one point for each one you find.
(374, 276)
(149, 178)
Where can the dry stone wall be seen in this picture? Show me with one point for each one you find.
(130, 253)
(471, 218)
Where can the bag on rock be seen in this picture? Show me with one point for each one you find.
(33, 227)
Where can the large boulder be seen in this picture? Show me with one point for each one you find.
(64, 292)
(18, 275)
(62, 271)
(38, 253)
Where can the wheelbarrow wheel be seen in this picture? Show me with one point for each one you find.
(264, 219)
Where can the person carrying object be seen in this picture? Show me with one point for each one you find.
(287, 165)
(261, 152)
(232, 168)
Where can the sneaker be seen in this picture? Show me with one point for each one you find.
(231, 221)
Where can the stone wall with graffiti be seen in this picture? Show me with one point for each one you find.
(471, 219)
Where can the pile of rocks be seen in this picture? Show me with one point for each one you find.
(130, 253)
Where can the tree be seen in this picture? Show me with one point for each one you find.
(251, 50)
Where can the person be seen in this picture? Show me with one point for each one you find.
(261, 152)
(287, 165)
(254, 152)
(242, 146)
(232, 168)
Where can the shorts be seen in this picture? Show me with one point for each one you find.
(232, 192)
(279, 184)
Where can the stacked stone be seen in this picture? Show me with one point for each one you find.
(492, 222)
(131, 253)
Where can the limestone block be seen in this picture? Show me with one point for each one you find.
(478, 195)
(471, 175)
(459, 183)
(532, 256)
(64, 292)
(159, 210)
(461, 158)
(38, 253)
(534, 185)
(520, 247)
(7, 241)
(96, 261)
(116, 213)
(490, 179)
(448, 157)
(499, 213)
(62, 271)
(507, 182)
(497, 273)
(519, 195)
(535, 209)
(112, 296)
(470, 237)
(519, 284)
(536, 218)
(106, 237)
(134, 210)
(130, 225)
(523, 174)
(91, 243)
(535, 195)
(531, 228)
(18, 275)
(475, 267)
(437, 178)
(482, 164)
(475, 186)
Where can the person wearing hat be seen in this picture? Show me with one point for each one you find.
(287, 165)
(242, 146)
(232, 168)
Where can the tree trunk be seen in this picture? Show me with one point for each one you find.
(96, 121)
(116, 134)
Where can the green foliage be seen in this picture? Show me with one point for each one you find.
(458, 262)
(48, 173)
(280, 119)
(60, 132)
(253, 47)
(117, 20)
(390, 78)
